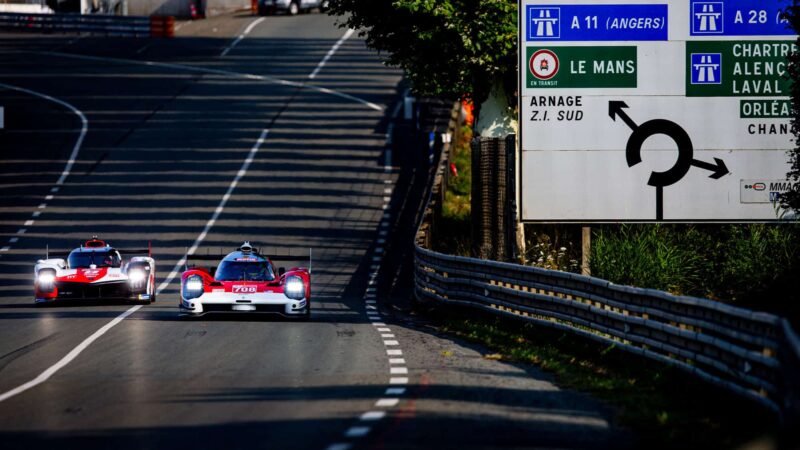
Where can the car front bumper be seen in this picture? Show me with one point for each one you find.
(119, 290)
(270, 303)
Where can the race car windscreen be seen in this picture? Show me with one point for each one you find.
(84, 260)
(244, 271)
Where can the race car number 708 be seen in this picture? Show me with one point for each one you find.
(244, 289)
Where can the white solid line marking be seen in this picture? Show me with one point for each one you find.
(391, 343)
(28, 223)
(357, 431)
(242, 171)
(398, 380)
(384, 330)
(394, 352)
(397, 360)
(339, 446)
(398, 370)
(373, 415)
(44, 376)
(395, 391)
(21, 231)
(84, 127)
(387, 336)
(13, 240)
(387, 402)
(241, 36)
(330, 53)
(5, 249)
(37, 213)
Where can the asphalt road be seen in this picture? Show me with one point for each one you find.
(199, 143)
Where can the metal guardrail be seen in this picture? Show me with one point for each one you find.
(131, 26)
(753, 354)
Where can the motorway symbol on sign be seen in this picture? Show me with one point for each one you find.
(707, 18)
(545, 23)
(706, 68)
(633, 151)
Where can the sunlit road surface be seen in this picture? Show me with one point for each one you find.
(272, 132)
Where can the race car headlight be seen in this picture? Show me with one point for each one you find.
(136, 276)
(46, 280)
(193, 287)
(294, 288)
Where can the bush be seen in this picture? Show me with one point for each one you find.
(755, 265)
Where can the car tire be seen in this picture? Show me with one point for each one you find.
(294, 9)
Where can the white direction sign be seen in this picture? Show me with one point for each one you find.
(635, 110)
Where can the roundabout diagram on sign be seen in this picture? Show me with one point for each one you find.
(685, 161)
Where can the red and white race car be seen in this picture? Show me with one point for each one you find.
(246, 281)
(95, 271)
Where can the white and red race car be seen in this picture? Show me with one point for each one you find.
(246, 281)
(96, 271)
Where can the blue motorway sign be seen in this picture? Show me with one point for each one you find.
(739, 18)
(597, 22)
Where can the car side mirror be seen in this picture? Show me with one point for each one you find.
(281, 271)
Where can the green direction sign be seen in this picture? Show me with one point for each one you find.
(581, 67)
(737, 68)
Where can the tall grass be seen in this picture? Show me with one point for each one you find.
(756, 265)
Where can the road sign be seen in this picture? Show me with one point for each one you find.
(637, 110)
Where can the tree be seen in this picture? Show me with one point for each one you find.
(791, 199)
(451, 48)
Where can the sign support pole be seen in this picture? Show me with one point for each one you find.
(586, 250)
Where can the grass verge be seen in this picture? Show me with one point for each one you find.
(663, 406)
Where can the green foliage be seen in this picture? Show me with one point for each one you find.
(651, 256)
(791, 199)
(756, 265)
(553, 247)
(450, 48)
(453, 231)
(755, 257)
